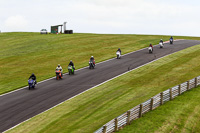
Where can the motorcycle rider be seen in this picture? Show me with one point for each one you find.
(151, 46)
(71, 64)
(93, 60)
(171, 38)
(119, 50)
(161, 41)
(33, 77)
(60, 68)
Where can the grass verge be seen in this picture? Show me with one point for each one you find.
(24, 53)
(181, 115)
(90, 110)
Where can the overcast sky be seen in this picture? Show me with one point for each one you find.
(166, 17)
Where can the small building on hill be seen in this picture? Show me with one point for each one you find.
(55, 28)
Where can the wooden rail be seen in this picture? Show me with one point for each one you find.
(137, 112)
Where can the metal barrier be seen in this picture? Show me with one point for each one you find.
(154, 102)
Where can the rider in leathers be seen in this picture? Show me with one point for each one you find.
(119, 50)
(60, 68)
(33, 77)
(71, 64)
(92, 59)
(151, 46)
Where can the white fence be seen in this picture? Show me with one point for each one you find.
(154, 102)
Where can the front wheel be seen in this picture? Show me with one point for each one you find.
(29, 87)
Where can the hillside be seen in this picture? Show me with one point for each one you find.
(89, 111)
(22, 54)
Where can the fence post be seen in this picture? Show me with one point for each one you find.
(179, 89)
(128, 117)
(151, 106)
(161, 98)
(140, 113)
(196, 82)
(104, 129)
(170, 91)
(116, 124)
(188, 84)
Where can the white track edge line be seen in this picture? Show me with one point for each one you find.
(90, 89)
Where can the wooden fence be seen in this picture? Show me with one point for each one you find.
(154, 102)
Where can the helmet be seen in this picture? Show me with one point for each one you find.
(32, 73)
(161, 39)
(118, 48)
(70, 60)
(92, 57)
(58, 65)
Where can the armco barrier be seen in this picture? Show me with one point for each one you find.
(154, 102)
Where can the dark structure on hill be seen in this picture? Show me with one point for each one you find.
(55, 28)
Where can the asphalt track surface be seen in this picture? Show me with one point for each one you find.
(23, 104)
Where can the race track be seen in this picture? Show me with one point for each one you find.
(23, 104)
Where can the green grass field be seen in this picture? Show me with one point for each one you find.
(181, 115)
(24, 53)
(92, 109)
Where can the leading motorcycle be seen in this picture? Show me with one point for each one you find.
(31, 83)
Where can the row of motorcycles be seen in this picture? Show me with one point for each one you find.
(59, 75)
(71, 70)
(161, 44)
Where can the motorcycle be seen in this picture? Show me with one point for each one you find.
(71, 70)
(150, 50)
(91, 64)
(161, 45)
(118, 55)
(58, 74)
(171, 41)
(31, 83)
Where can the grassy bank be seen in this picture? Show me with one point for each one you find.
(182, 115)
(24, 53)
(90, 110)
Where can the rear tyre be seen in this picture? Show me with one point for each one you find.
(29, 87)
(117, 56)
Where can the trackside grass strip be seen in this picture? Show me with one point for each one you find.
(22, 54)
(181, 115)
(92, 109)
